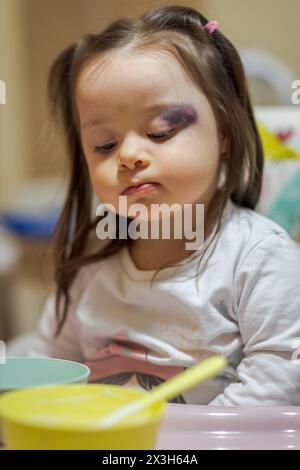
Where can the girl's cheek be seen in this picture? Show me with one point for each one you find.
(98, 172)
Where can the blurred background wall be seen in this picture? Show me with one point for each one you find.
(32, 33)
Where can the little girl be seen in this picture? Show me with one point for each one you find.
(162, 102)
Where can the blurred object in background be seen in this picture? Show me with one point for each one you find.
(283, 121)
(280, 198)
(34, 209)
(275, 143)
(30, 219)
(270, 79)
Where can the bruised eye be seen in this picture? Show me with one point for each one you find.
(157, 136)
(162, 135)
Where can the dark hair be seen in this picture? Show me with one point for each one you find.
(214, 66)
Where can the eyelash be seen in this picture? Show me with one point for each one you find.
(161, 135)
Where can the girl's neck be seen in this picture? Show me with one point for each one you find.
(153, 254)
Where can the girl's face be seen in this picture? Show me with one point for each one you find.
(143, 120)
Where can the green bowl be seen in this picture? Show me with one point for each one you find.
(25, 372)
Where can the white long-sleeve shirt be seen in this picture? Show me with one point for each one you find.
(245, 306)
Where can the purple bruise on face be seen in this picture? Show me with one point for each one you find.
(182, 116)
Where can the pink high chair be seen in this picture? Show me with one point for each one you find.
(237, 428)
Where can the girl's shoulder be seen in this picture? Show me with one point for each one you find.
(250, 222)
(246, 230)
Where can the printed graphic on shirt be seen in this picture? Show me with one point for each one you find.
(124, 362)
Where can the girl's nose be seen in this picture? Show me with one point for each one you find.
(132, 155)
(131, 162)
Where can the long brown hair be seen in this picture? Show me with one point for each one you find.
(214, 66)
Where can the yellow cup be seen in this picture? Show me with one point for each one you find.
(66, 417)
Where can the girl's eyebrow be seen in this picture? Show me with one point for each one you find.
(91, 124)
(182, 107)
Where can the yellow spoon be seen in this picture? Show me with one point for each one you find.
(170, 389)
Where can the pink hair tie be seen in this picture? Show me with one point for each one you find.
(211, 26)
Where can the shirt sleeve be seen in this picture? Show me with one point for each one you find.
(64, 346)
(67, 345)
(268, 313)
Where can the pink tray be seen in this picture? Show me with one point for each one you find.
(208, 427)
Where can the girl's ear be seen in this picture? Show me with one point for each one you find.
(225, 147)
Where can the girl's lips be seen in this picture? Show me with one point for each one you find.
(141, 188)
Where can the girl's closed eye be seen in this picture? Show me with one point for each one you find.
(161, 135)
(157, 136)
(103, 148)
